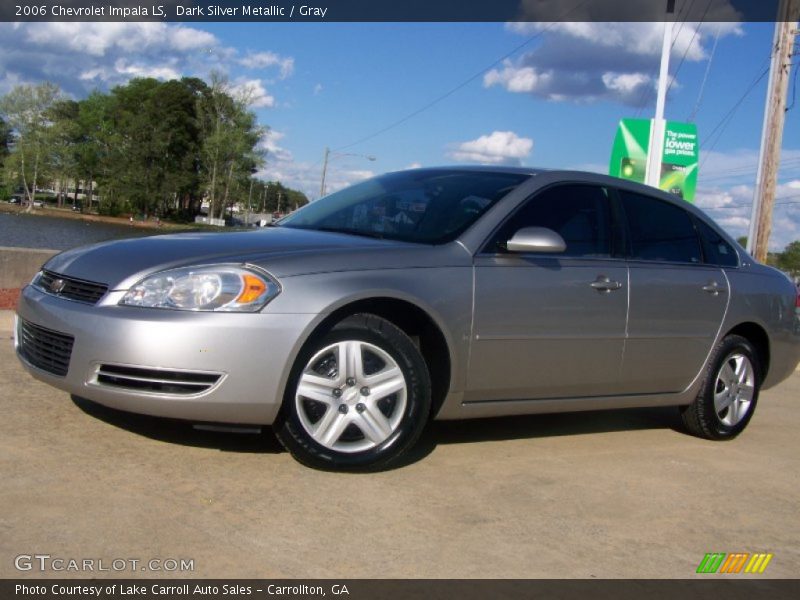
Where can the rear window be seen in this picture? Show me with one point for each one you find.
(660, 231)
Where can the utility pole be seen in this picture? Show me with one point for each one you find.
(249, 201)
(324, 172)
(772, 132)
(654, 157)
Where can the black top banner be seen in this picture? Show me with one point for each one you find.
(390, 10)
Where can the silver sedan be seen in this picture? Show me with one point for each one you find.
(442, 293)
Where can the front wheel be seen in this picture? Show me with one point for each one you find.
(358, 397)
(729, 393)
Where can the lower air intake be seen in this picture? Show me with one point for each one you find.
(159, 381)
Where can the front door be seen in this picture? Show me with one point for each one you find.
(550, 326)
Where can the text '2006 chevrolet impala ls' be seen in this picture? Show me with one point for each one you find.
(433, 293)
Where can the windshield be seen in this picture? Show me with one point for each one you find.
(429, 206)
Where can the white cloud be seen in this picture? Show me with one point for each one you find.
(499, 147)
(317, 89)
(264, 60)
(82, 56)
(122, 67)
(270, 142)
(253, 92)
(731, 207)
(591, 61)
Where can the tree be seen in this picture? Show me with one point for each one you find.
(230, 136)
(27, 108)
(789, 259)
(5, 148)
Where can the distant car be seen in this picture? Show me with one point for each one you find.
(38, 203)
(433, 293)
(14, 200)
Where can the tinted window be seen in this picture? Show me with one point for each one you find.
(716, 251)
(579, 213)
(430, 206)
(660, 230)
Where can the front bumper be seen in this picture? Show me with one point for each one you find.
(252, 353)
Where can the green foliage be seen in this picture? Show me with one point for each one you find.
(789, 259)
(147, 147)
(26, 109)
(5, 140)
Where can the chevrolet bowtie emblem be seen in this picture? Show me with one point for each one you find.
(57, 286)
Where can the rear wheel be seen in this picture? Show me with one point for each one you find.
(729, 393)
(358, 397)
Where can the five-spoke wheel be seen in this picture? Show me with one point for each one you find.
(729, 392)
(359, 396)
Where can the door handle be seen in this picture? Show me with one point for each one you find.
(604, 284)
(713, 288)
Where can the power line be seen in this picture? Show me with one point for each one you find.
(746, 170)
(699, 101)
(689, 45)
(749, 204)
(463, 84)
(726, 120)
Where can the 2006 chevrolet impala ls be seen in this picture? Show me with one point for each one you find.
(434, 293)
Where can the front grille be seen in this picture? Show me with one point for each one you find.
(160, 381)
(44, 348)
(69, 287)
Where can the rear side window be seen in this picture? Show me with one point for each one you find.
(716, 251)
(659, 230)
(579, 213)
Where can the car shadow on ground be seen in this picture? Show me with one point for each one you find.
(436, 433)
(470, 431)
(175, 431)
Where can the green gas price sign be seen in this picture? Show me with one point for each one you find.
(679, 159)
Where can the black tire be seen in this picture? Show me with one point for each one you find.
(380, 333)
(701, 417)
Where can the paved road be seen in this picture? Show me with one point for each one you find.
(617, 494)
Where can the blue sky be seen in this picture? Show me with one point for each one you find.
(554, 102)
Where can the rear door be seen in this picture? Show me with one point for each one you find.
(541, 329)
(677, 301)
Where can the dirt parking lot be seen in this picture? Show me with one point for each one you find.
(602, 494)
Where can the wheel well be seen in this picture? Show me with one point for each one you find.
(418, 325)
(756, 335)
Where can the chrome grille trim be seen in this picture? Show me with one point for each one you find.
(71, 288)
(155, 380)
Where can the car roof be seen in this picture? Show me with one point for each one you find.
(478, 169)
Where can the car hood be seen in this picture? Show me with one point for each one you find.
(282, 251)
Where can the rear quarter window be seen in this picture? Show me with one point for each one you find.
(716, 250)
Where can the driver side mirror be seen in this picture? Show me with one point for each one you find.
(536, 239)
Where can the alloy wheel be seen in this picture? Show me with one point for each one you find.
(734, 389)
(351, 396)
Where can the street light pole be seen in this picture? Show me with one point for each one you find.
(324, 172)
(653, 170)
(325, 160)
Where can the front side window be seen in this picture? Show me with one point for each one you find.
(578, 213)
(659, 231)
(429, 206)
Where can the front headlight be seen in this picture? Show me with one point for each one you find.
(214, 288)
